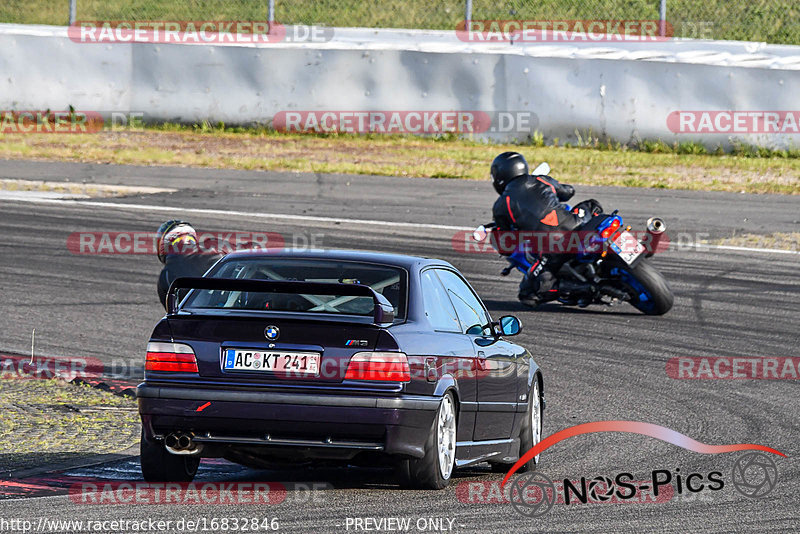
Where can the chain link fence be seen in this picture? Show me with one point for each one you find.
(773, 21)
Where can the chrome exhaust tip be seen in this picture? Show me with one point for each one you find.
(656, 225)
(182, 444)
(171, 441)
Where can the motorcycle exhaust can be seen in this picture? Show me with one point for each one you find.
(655, 231)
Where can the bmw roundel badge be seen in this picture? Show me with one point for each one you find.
(272, 332)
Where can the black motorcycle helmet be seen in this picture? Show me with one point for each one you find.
(506, 167)
(173, 226)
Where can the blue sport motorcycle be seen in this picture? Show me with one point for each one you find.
(607, 263)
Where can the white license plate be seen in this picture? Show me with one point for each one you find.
(627, 247)
(271, 361)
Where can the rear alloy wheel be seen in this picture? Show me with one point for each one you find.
(433, 470)
(159, 465)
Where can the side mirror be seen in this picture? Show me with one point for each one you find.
(510, 325)
(480, 233)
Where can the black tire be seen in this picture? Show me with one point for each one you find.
(526, 437)
(425, 473)
(654, 283)
(159, 465)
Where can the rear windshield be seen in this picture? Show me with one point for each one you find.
(391, 282)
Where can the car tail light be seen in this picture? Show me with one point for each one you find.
(611, 229)
(174, 357)
(386, 366)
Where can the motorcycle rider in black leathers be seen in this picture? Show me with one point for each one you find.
(179, 251)
(533, 203)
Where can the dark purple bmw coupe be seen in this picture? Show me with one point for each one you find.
(348, 356)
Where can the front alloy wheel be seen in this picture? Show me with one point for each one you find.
(536, 418)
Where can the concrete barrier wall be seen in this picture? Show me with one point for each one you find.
(620, 91)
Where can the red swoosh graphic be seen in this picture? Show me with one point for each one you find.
(647, 429)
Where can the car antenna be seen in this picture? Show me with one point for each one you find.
(33, 338)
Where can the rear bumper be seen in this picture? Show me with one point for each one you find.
(396, 425)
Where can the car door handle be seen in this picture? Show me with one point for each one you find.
(481, 360)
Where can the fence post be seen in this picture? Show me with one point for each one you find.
(662, 18)
(73, 11)
(467, 13)
(270, 14)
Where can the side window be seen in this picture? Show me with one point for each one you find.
(468, 308)
(437, 306)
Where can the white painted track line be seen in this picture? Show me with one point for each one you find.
(311, 218)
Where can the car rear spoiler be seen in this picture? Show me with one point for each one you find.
(383, 314)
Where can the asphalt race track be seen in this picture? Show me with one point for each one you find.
(599, 364)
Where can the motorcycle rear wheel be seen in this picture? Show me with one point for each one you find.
(650, 293)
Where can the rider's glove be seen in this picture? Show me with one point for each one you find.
(565, 192)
